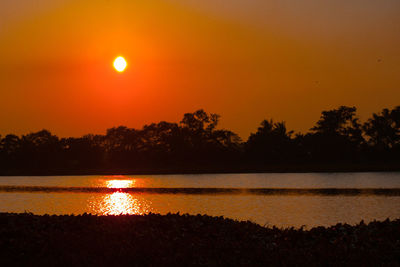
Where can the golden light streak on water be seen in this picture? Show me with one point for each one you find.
(119, 202)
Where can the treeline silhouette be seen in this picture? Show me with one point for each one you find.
(338, 141)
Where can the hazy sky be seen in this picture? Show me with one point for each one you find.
(244, 59)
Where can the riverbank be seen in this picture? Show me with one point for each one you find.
(174, 239)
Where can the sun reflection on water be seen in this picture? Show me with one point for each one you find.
(119, 202)
(120, 183)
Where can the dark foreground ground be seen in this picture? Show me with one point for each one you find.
(181, 240)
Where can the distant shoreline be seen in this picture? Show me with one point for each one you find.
(322, 168)
(337, 143)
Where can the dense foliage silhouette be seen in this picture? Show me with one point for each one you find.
(338, 141)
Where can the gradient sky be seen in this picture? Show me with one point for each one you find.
(244, 59)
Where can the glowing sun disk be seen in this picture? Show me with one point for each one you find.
(120, 64)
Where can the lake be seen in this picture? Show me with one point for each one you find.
(280, 199)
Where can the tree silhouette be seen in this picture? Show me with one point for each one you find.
(336, 137)
(383, 130)
(271, 142)
(197, 144)
(341, 121)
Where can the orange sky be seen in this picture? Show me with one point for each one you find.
(244, 59)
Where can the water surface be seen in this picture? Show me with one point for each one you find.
(255, 180)
(231, 195)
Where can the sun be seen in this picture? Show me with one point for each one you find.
(120, 64)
